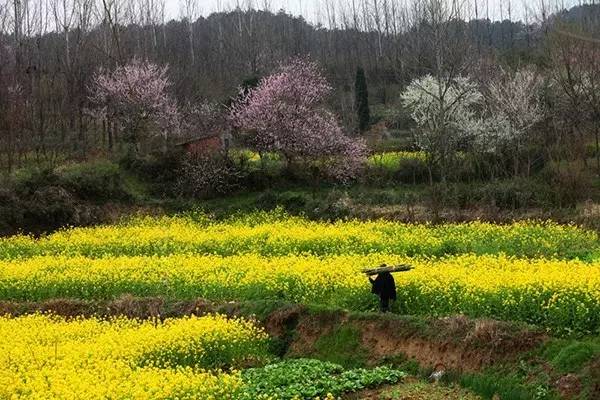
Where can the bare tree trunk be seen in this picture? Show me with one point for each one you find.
(597, 139)
(191, 36)
(109, 131)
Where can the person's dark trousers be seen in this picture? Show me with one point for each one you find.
(384, 304)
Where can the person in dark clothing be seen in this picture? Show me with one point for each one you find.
(385, 287)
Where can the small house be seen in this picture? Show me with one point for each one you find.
(211, 143)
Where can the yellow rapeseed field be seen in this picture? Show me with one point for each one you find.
(275, 235)
(542, 273)
(45, 357)
(560, 294)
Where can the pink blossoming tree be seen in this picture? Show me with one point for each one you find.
(136, 97)
(285, 114)
(203, 117)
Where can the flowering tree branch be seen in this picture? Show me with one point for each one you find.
(284, 114)
(136, 97)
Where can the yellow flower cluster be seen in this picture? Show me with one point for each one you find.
(276, 236)
(559, 294)
(542, 273)
(393, 159)
(45, 357)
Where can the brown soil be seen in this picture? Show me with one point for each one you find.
(457, 343)
(412, 388)
(126, 305)
(594, 374)
(460, 344)
(569, 386)
(311, 327)
(282, 320)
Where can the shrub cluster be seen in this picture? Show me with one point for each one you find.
(206, 177)
(44, 200)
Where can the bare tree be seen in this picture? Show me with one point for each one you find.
(64, 14)
(18, 22)
(576, 71)
(190, 12)
(4, 13)
(112, 15)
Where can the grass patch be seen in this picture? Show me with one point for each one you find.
(571, 356)
(342, 346)
(402, 362)
(508, 386)
(423, 391)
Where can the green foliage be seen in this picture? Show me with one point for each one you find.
(27, 180)
(307, 379)
(509, 194)
(335, 204)
(11, 212)
(342, 346)
(96, 181)
(158, 171)
(409, 167)
(42, 200)
(361, 99)
(506, 386)
(570, 184)
(36, 201)
(571, 356)
(401, 361)
(423, 391)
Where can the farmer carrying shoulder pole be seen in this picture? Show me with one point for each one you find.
(384, 285)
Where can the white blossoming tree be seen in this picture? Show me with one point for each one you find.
(445, 112)
(514, 107)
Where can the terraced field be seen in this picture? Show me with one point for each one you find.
(543, 274)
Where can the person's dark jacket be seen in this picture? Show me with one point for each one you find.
(384, 286)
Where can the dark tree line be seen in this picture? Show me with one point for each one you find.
(361, 93)
(50, 52)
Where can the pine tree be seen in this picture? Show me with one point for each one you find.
(362, 100)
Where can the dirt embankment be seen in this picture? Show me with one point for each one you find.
(457, 343)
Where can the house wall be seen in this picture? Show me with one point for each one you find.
(205, 146)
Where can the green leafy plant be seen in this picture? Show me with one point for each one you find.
(307, 379)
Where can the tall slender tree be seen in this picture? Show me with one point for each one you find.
(361, 95)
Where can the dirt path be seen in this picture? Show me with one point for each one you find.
(414, 389)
